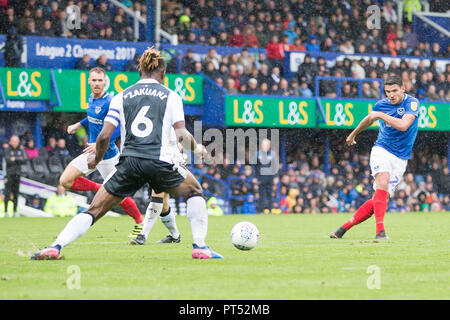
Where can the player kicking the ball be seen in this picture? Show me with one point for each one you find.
(72, 177)
(145, 111)
(398, 115)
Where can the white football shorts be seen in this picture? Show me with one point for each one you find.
(382, 160)
(104, 167)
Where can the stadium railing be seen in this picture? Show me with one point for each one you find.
(339, 80)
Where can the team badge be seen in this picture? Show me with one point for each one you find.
(401, 110)
(413, 106)
(98, 109)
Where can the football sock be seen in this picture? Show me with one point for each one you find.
(153, 211)
(168, 219)
(362, 214)
(379, 207)
(198, 217)
(84, 184)
(74, 229)
(130, 207)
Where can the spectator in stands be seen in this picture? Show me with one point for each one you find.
(252, 86)
(408, 7)
(103, 15)
(213, 208)
(61, 150)
(431, 93)
(236, 39)
(23, 20)
(36, 202)
(389, 14)
(47, 30)
(213, 58)
(103, 63)
(84, 63)
(51, 146)
(8, 20)
(13, 49)
(275, 52)
(60, 25)
(248, 207)
(31, 149)
(217, 23)
(188, 62)
(308, 70)
(61, 204)
(298, 45)
(27, 136)
(231, 86)
(38, 19)
(305, 91)
(312, 44)
(46, 9)
(251, 39)
(366, 91)
(133, 65)
(436, 50)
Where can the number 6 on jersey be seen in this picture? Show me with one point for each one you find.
(142, 119)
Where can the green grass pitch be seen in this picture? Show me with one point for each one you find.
(295, 259)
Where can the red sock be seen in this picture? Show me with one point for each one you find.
(362, 214)
(379, 207)
(130, 207)
(83, 184)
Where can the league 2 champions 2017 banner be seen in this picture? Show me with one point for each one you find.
(74, 89)
(278, 112)
(44, 52)
(25, 84)
(346, 114)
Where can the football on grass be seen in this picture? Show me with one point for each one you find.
(244, 235)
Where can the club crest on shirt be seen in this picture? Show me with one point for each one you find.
(413, 106)
(401, 111)
(98, 109)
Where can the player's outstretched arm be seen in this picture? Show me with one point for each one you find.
(187, 140)
(401, 124)
(102, 143)
(74, 127)
(363, 125)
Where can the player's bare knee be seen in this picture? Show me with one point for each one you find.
(67, 184)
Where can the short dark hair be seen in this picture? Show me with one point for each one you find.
(394, 79)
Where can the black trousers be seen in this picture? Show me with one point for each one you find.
(12, 185)
(265, 193)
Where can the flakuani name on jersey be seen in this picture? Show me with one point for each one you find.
(147, 92)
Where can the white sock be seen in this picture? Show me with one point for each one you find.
(74, 229)
(198, 217)
(153, 211)
(169, 221)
